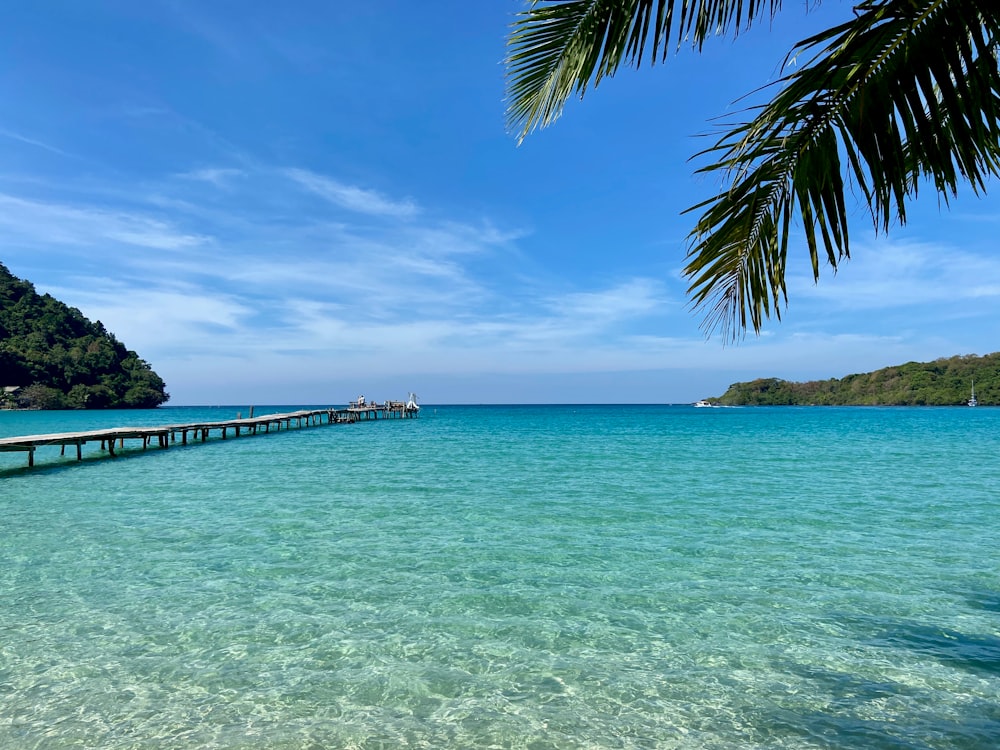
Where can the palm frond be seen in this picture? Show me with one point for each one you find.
(558, 48)
(908, 91)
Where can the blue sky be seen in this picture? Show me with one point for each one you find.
(300, 202)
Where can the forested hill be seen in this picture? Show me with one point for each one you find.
(943, 382)
(51, 357)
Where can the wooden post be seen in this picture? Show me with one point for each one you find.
(79, 451)
(31, 456)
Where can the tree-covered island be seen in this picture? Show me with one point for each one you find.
(52, 357)
(943, 382)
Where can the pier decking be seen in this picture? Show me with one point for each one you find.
(164, 435)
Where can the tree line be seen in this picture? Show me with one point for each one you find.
(52, 357)
(943, 382)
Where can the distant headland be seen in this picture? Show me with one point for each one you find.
(52, 357)
(943, 382)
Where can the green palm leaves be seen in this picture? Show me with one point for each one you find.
(904, 95)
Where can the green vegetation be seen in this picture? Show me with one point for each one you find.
(943, 382)
(51, 357)
(901, 96)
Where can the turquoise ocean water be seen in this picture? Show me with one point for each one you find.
(510, 577)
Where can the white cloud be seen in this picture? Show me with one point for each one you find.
(31, 142)
(630, 299)
(37, 221)
(899, 274)
(218, 176)
(352, 197)
(170, 320)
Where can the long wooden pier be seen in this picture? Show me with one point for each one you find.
(164, 435)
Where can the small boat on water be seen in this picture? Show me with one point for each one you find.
(411, 403)
(702, 404)
(973, 401)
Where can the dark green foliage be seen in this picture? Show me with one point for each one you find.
(943, 382)
(60, 360)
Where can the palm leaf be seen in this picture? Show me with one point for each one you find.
(908, 91)
(558, 48)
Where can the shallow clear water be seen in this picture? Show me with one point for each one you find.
(523, 577)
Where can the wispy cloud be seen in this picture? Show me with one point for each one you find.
(630, 299)
(168, 319)
(70, 225)
(31, 142)
(899, 274)
(351, 197)
(144, 111)
(217, 176)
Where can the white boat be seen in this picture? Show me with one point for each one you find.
(702, 404)
(973, 401)
(411, 403)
